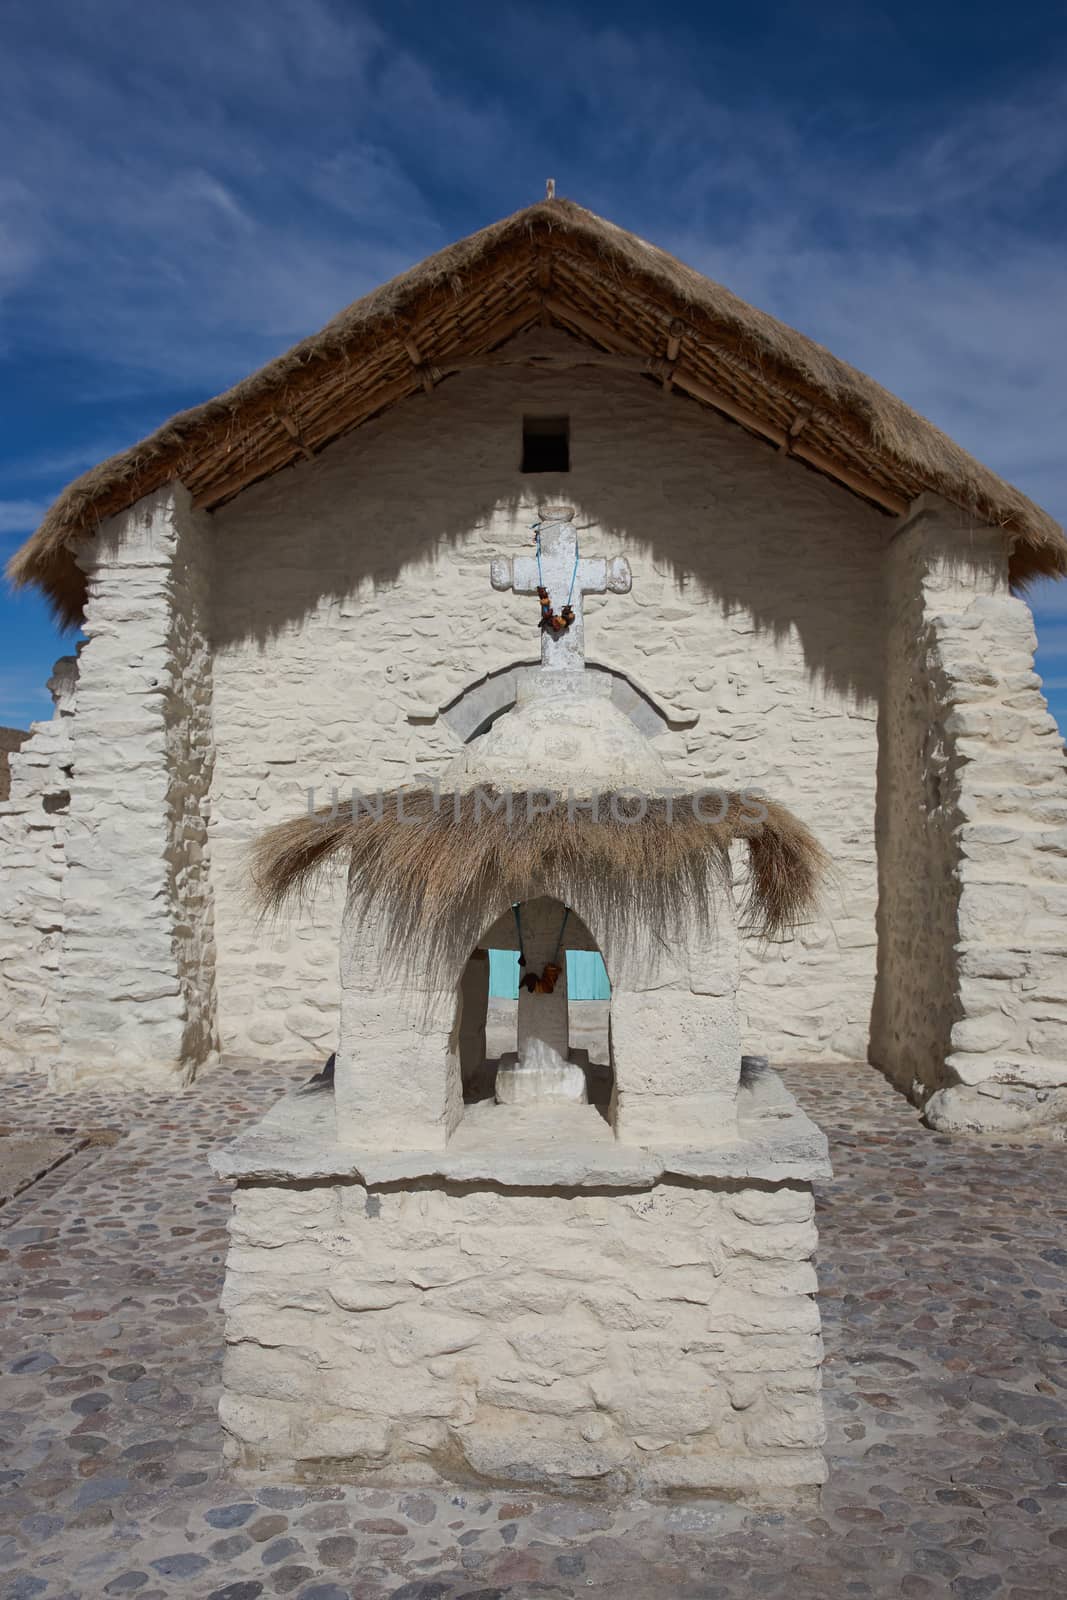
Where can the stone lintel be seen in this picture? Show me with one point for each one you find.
(959, 551)
(931, 507)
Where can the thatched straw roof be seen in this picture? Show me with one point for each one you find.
(434, 864)
(631, 304)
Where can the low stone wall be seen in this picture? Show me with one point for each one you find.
(33, 825)
(605, 1342)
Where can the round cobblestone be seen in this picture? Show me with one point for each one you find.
(338, 1551)
(289, 1578)
(265, 1528)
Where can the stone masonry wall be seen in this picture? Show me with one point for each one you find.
(135, 964)
(916, 1001)
(658, 1340)
(971, 1012)
(352, 603)
(32, 868)
(190, 752)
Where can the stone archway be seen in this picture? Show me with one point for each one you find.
(474, 710)
(546, 922)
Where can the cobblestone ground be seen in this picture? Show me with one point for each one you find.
(942, 1267)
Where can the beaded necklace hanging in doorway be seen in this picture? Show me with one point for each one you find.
(546, 983)
(550, 622)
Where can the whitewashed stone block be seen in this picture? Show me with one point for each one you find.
(974, 899)
(545, 1349)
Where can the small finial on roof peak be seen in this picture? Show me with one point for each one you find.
(550, 188)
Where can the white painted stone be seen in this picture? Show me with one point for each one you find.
(542, 1025)
(710, 530)
(542, 1146)
(973, 909)
(131, 989)
(540, 1071)
(552, 1345)
(210, 639)
(566, 735)
(539, 1077)
(33, 863)
(567, 576)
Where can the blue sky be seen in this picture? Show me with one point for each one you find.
(187, 189)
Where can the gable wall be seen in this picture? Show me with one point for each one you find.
(352, 599)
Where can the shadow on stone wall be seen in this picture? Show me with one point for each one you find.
(729, 520)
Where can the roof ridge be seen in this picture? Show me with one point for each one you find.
(584, 272)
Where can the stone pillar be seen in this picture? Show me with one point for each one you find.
(474, 1005)
(542, 1070)
(137, 958)
(970, 1013)
(397, 1078)
(543, 1025)
(33, 823)
(675, 1035)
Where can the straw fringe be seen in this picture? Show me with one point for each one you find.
(437, 866)
(361, 362)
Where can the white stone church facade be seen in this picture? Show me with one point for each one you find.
(280, 590)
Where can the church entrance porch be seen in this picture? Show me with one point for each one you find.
(533, 1295)
(589, 1277)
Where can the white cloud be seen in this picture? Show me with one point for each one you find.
(21, 516)
(23, 699)
(66, 461)
(1048, 600)
(1052, 639)
(192, 217)
(259, 167)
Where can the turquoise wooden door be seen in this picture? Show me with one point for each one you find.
(587, 976)
(504, 974)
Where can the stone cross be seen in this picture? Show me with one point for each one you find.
(559, 551)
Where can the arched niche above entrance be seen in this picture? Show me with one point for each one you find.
(473, 711)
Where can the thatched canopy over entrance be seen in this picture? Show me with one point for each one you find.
(432, 863)
(628, 304)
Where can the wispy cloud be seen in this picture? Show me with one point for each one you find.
(23, 699)
(187, 190)
(64, 461)
(21, 516)
(208, 216)
(264, 166)
(1048, 601)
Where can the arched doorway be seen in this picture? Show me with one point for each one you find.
(501, 1000)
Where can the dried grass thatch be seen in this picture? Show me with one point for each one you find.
(634, 304)
(435, 866)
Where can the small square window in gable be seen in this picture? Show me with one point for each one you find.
(546, 444)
